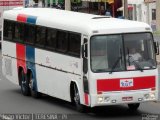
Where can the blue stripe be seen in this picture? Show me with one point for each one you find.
(31, 19)
(30, 56)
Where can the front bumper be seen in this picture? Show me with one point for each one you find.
(122, 97)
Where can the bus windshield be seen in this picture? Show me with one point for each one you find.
(122, 52)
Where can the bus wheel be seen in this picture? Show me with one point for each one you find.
(24, 84)
(134, 106)
(76, 100)
(33, 93)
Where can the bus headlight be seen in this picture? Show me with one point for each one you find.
(106, 99)
(100, 99)
(146, 96)
(103, 99)
(152, 95)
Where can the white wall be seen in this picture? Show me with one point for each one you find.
(137, 9)
(151, 6)
(143, 11)
(135, 1)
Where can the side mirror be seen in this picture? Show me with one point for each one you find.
(85, 50)
(156, 48)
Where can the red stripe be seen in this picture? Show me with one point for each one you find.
(22, 18)
(114, 84)
(86, 98)
(21, 56)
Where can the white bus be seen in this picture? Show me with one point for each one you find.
(89, 60)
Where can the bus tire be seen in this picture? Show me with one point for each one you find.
(76, 99)
(33, 93)
(24, 84)
(133, 106)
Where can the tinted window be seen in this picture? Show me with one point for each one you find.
(30, 33)
(139, 51)
(18, 32)
(62, 41)
(74, 44)
(8, 28)
(51, 38)
(40, 36)
(106, 53)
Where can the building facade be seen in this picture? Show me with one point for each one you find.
(89, 6)
(103, 7)
(138, 10)
(151, 13)
(143, 10)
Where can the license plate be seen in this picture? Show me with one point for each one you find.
(127, 98)
(126, 83)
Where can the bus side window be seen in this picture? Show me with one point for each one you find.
(18, 32)
(40, 36)
(74, 44)
(62, 41)
(30, 33)
(51, 38)
(8, 30)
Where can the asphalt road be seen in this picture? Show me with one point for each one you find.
(13, 102)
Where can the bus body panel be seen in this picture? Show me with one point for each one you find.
(9, 62)
(48, 63)
(62, 72)
(116, 98)
(56, 61)
(86, 22)
(117, 93)
(53, 71)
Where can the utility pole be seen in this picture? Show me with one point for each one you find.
(68, 5)
(158, 15)
(126, 9)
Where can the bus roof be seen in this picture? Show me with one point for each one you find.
(77, 22)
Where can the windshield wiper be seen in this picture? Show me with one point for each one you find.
(115, 64)
(136, 64)
(100, 70)
(117, 61)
